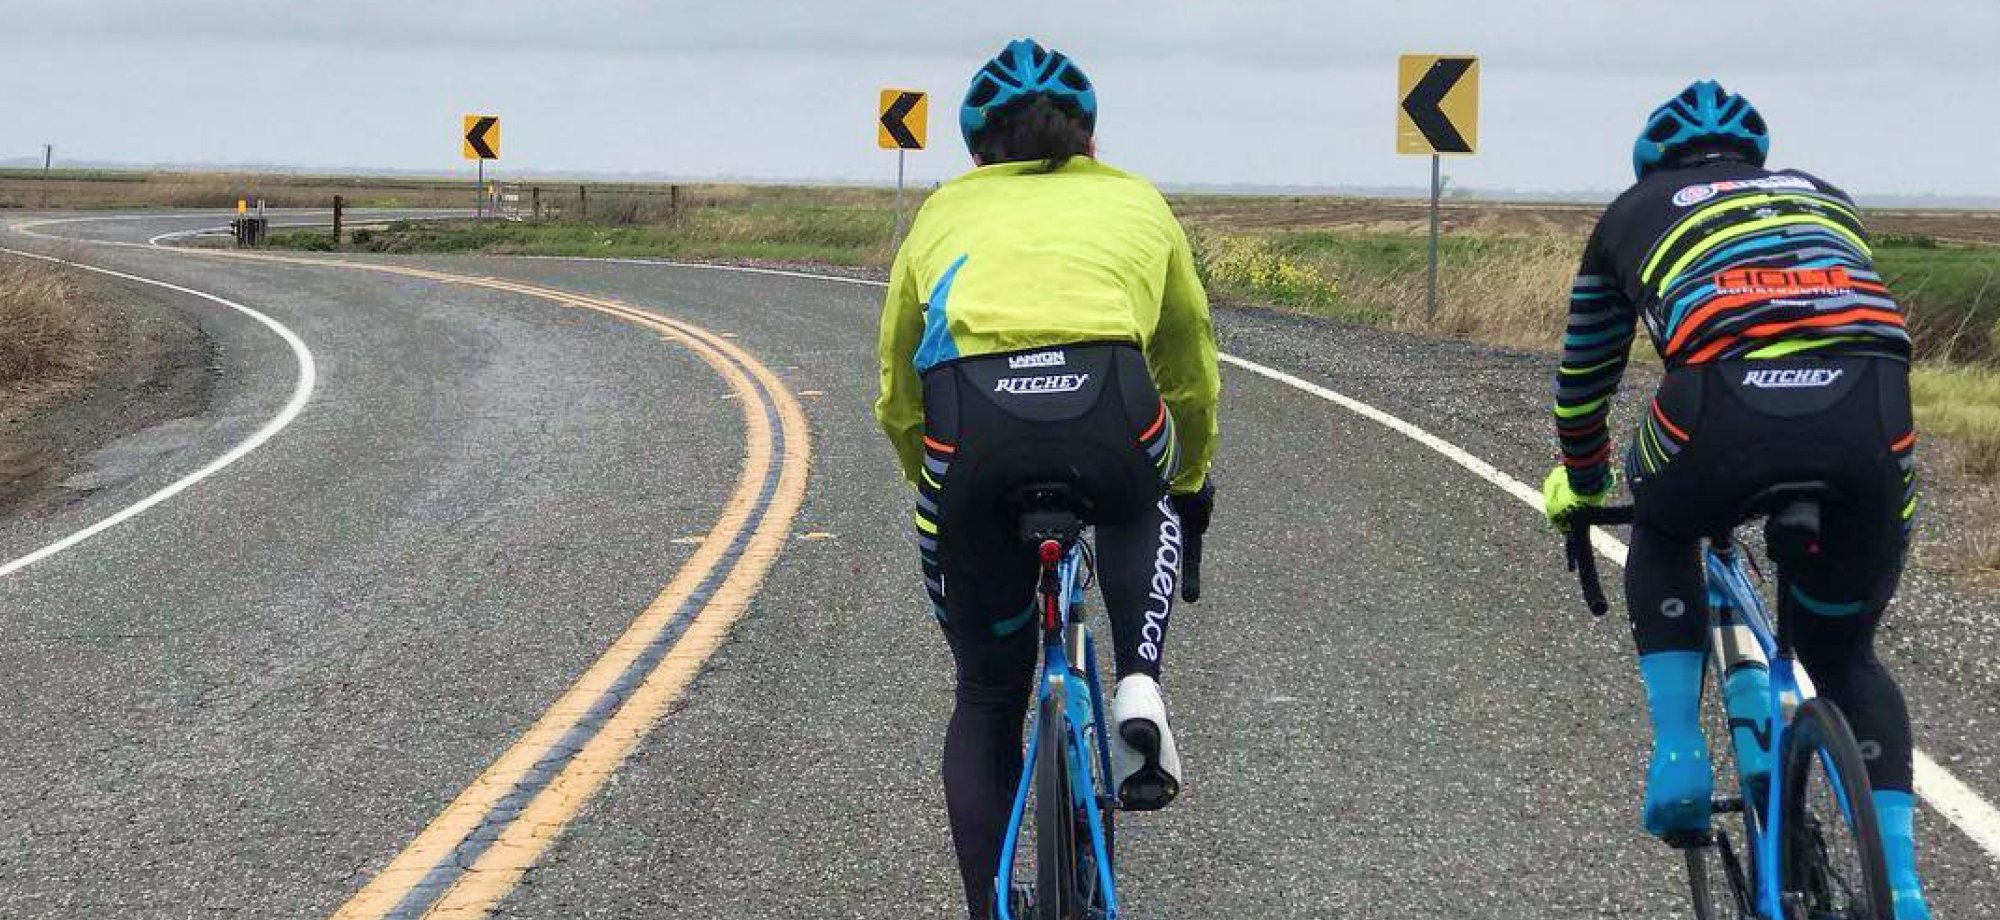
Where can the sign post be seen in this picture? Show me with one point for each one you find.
(481, 141)
(900, 122)
(1437, 114)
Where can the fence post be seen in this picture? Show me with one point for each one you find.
(535, 194)
(582, 202)
(674, 201)
(339, 204)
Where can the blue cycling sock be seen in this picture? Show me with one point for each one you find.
(1896, 810)
(1679, 781)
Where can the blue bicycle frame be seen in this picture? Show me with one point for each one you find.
(1069, 664)
(1738, 609)
(1741, 635)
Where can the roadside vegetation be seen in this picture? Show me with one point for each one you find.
(1504, 273)
(1958, 412)
(45, 331)
(101, 189)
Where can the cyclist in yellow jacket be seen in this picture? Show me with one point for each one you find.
(1044, 322)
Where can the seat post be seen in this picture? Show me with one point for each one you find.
(1793, 537)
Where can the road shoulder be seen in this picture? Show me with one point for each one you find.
(151, 364)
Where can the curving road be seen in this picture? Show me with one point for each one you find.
(391, 659)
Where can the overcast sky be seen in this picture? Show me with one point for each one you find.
(1883, 97)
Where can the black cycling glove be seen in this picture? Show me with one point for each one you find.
(1194, 510)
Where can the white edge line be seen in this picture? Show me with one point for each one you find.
(1939, 788)
(1951, 797)
(302, 390)
(359, 217)
(1958, 803)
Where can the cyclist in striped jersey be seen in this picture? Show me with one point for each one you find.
(1786, 362)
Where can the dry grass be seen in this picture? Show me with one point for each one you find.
(1515, 293)
(1961, 406)
(94, 190)
(45, 332)
(1508, 290)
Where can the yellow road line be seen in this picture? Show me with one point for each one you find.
(525, 834)
(534, 828)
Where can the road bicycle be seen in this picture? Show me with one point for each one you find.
(1067, 769)
(1807, 846)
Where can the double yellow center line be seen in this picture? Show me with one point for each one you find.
(476, 850)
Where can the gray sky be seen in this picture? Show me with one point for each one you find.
(1883, 97)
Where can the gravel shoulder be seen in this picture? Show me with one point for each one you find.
(153, 364)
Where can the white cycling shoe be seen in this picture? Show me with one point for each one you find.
(1145, 766)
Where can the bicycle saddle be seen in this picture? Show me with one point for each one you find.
(1048, 511)
(1791, 513)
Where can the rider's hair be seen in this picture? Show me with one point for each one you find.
(1711, 150)
(1033, 128)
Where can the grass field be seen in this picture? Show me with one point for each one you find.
(1960, 407)
(1503, 268)
(45, 338)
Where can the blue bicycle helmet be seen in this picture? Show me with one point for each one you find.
(1022, 69)
(1702, 112)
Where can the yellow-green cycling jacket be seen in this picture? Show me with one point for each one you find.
(1009, 257)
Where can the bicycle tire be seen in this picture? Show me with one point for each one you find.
(1056, 895)
(1820, 743)
(1715, 881)
(1090, 888)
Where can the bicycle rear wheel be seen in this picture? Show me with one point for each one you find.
(1718, 879)
(1830, 849)
(1716, 883)
(1056, 896)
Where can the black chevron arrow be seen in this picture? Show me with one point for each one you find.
(477, 137)
(1423, 101)
(892, 121)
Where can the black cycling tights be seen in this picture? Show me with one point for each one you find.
(1668, 603)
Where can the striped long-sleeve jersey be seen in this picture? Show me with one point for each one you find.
(1724, 261)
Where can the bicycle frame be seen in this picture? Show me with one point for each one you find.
(1069, 663)
(1736, 609)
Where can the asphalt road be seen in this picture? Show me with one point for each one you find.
(248, 699)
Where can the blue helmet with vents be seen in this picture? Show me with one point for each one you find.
(1022, 69)
(1704, 112)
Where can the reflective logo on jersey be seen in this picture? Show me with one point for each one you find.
(1037, 359)
(1696, 194)
(1792, 378)
(1035, 386)
(1776, 282)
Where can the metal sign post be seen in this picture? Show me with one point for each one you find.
(901, 117)
(482, 187)
(1431, 282)
(1437, 113)
(897, 239)
(48, 158)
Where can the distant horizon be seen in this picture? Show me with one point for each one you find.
(1455, 192)
(1191, 94)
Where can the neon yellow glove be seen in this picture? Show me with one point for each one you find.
(1558, 499)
